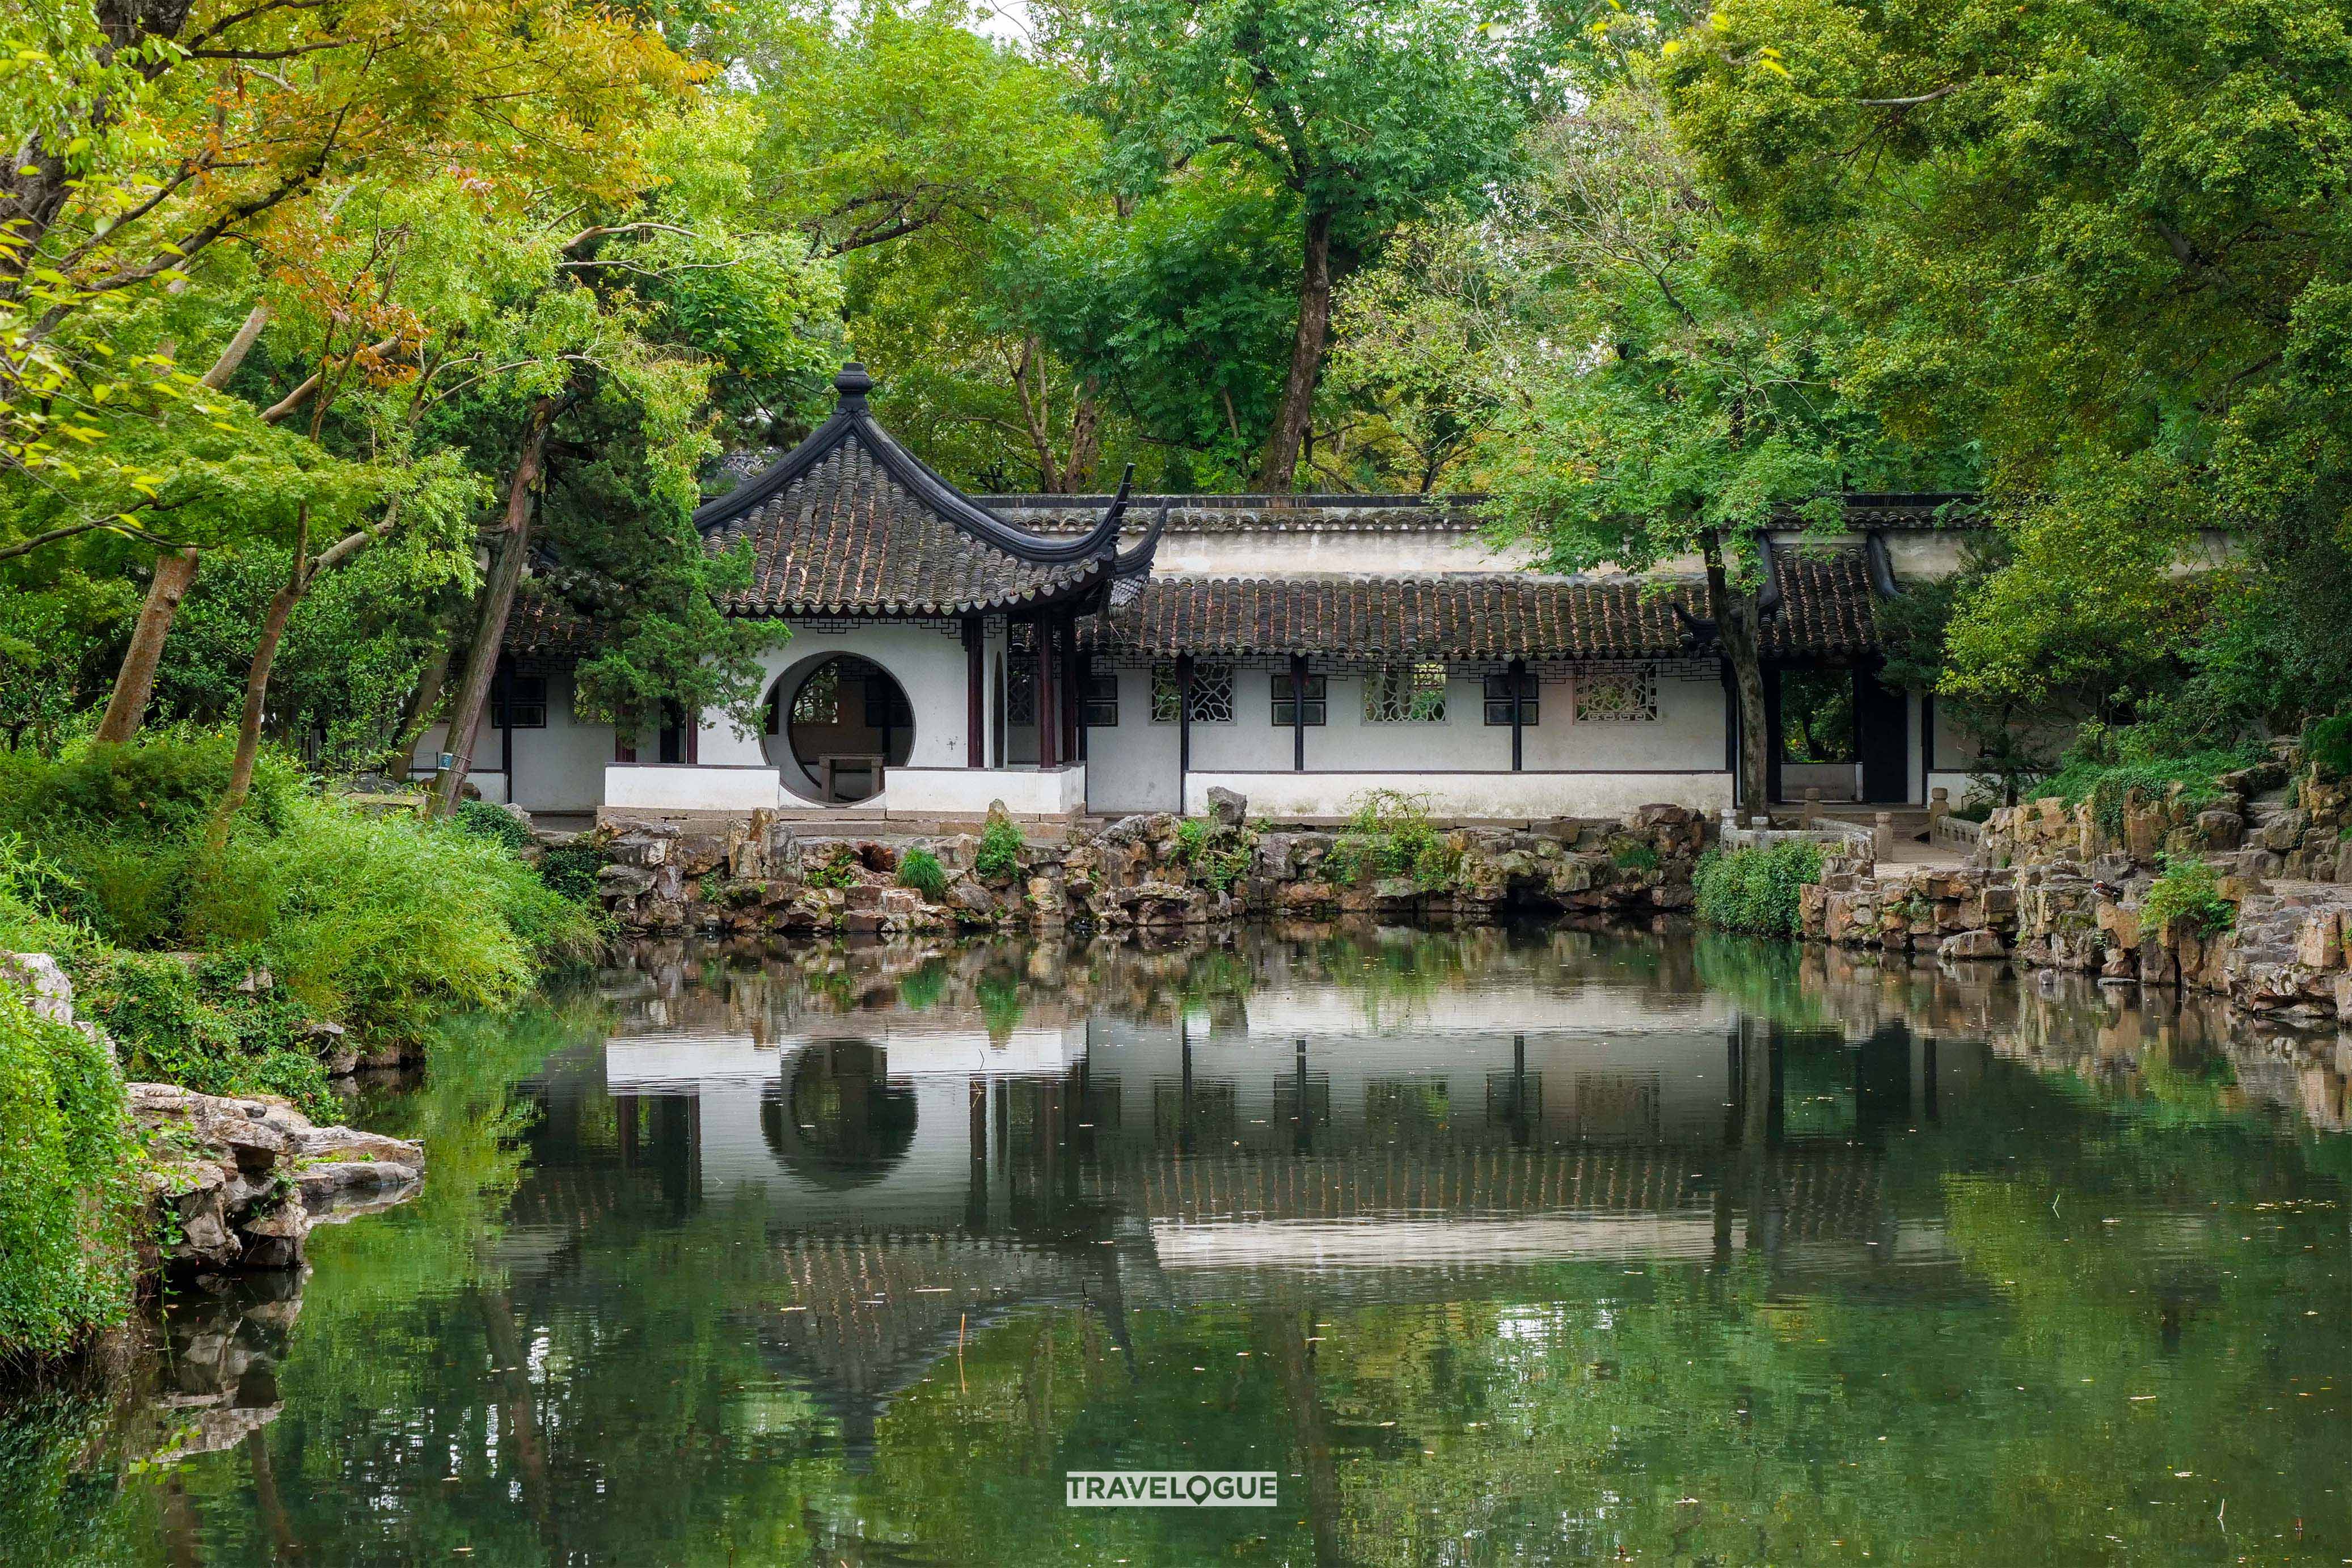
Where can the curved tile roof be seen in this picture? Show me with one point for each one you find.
(1825, 613)
(851, 523)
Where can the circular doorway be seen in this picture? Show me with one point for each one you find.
(834, 723)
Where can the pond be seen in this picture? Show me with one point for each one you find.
(1493, 1246)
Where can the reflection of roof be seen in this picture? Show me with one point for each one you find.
(852, 523)
(1826, 609)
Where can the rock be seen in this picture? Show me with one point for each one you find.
(43, 982)
(1979, 944)
(1228, 808)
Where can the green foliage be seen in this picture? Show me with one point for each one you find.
(2187, 895)
(1220, 854)
(211, 1027)
(1756, 889)
(570, 870)
(495, 824)
(2328, 745)
(2105, 765)
(69, 1197)
(121, 828)
(1390, 835)
(1001, 847)
(1633, 854)
(920, 869)
(841, 871)
(383, 923)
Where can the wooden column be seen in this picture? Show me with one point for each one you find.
(1049, 711)
(1074, 744)
(1518, 679)
(1183, 724)
(1082, 678)
(1298, 713)
(975, 675)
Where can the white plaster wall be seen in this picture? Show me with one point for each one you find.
(1501, 796)
(561, 766)
(1461, 740)
(926, 662)
(686, 786)
(1132, 766)
(1687, 733)
(967, 791)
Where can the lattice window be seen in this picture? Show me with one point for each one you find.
(1102, 699)
(1167, 698)
(1316, 701)
(819, 701)
(1405, 694)
(1617, 696)
(1212, 693)
(1020, 686)
(1498, 698)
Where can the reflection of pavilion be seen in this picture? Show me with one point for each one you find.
(920, 1176)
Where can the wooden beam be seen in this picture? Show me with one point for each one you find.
(975, 670)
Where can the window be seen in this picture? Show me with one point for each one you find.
(1617, 696)
(885, 706)
(1498, 697)
(819, 701)
(527, 695)
(1021, 686)
(1212, 693)
(1405, 694)
(1284, 715)
(1102, 699)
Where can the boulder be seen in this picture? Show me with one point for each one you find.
(1229, 809)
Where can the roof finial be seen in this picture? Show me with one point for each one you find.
(852, 383)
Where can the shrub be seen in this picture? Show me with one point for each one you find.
(383, 923)
(2188, 894)
(1220, 855)
(999, 851)
(1390, 835)
(126, 824)
(570, 870)
(69, 1197)
(496, 823)
(920, 869)
(2105, 764)
(1756, 889)
(196, 1027)
(2328, 745)
(1633, 854)
(841, 871)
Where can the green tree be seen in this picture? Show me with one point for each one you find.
(2109, 244)
(1366, 116)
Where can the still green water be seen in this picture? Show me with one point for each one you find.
(1496, 1247)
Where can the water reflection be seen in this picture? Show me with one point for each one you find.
(1544, 1245)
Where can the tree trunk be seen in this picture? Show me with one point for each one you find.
(421, 701)
(1297, 410)
(257, 675)
(498, 601)
(134, 682)
(1086, 436)
(1740, 636)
